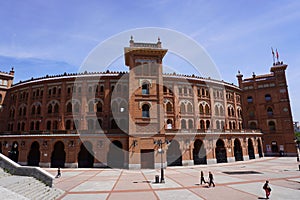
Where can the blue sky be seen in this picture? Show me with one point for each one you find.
(51, 37)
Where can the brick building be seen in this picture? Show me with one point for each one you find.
(142, 118)
(266, 105)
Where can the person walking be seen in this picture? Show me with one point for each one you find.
(210, 179)
(202, 178)
(267, 189)
(58, 173)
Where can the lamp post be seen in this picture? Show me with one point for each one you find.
(161, 151)
(297, 148)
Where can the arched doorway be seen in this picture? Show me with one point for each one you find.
(33, 158)
(199, 153)
(58, 157)
(14, 152)
(115, 155)
(259, 148)
(221, 152)
(85, 155)
(238, 151)
(250, 149)
(174, 157)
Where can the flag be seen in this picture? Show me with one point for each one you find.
(272, 51)
(277, 54)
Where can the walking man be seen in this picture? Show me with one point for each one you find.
(210, 179)
(267, 189)
(58, 173)
(202, 178)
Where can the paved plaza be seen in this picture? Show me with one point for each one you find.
(239, 180)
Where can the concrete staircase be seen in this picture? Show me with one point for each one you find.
(16, 187)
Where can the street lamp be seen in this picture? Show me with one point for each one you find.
(297, 148)
(161, 151)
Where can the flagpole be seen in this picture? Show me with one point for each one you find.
(273, 55)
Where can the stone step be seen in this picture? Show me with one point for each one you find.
(27, 187)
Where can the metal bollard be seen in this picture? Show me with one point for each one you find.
(156, 179)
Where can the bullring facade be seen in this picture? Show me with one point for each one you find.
(136, 119)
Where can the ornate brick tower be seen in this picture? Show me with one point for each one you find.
(6, 80)
(266, 106)
(146, 113)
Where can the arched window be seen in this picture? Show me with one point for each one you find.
(33, 110)
(38, 111)
(191, 124)
(68, 124)
(56, 108)
(169, 124)
(90, 89)
(24, 111)
(145, 88)
(202, 124)
(218, 124)
(91, 106)
(169, 107)
(221, 110)
(76, 107)
(99, 106)
(23, 126)
(233, 125)
(50, 108)
(114, 107)
(207, 124)
(222, 125)
(271, 126)
(183, 124)
(268, 97)
(90, 124)
(270, 111)
(48, 125)
(217, 110)
(55, 125)
(37, 125)
(189, 108)
(123, 107)
(32, 126)
(69, 107)
(201, 110)
(145, 110)
(230, 125)
(182, 108)
(113, 124)
(207, 109)
(76, 124)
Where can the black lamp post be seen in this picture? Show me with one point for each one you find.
(161, 151)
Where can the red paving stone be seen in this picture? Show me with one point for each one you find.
(182, 181)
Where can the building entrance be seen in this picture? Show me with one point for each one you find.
(85, 156)
(34, 155)
(174, 157)
(58, 157)
(251, 149)
(199, 153)
(221, 152)
(238, 152)
(115, 155)
(147, 159)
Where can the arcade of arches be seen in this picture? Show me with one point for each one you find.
(122, 153)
